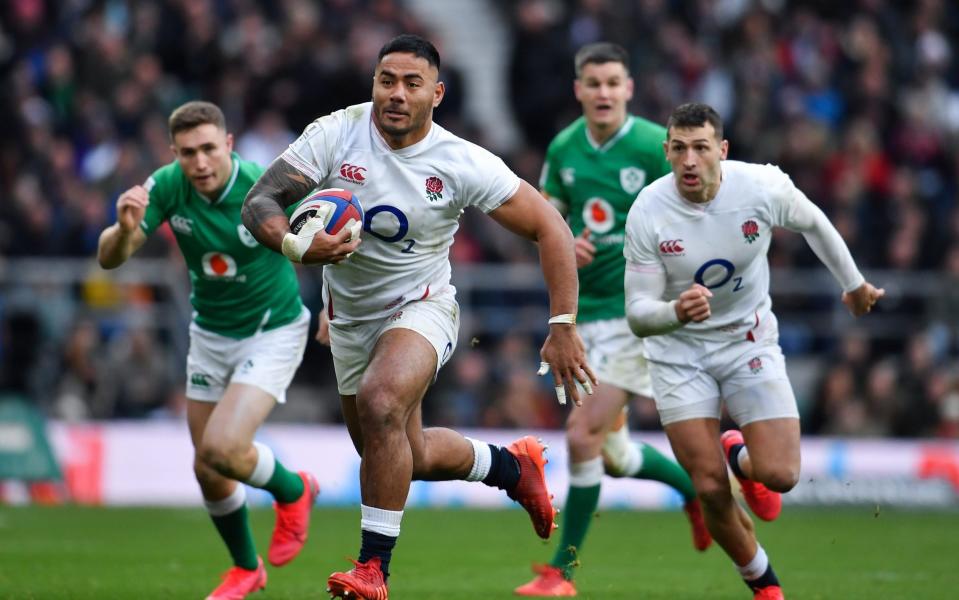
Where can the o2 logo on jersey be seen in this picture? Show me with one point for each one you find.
(389, 224)
(598, 215)
(717, 273)
(217, 264)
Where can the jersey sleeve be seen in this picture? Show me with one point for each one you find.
(640, 245)
(160, 190)
(793, 210)
(488, 182)
(312, 152)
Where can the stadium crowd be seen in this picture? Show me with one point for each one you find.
(857, 101)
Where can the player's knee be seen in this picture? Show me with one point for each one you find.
(205, 474)
(779, 478)
(219, 453)
(380, 411)
(582, 436)
(713, 490)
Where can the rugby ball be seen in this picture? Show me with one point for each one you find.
(338, 208)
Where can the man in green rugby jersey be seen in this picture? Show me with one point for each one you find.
(594, 170)
(247, 337)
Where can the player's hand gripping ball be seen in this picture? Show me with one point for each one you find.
(336, 208)
(330, 210)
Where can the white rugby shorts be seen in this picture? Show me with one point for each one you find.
(749, 376)
(436, 318)
(267, 360)
(616, 355)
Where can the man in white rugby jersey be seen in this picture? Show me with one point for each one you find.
(392, 311)
(697, 288)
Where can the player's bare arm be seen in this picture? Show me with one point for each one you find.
(280, 186)
(119, 241)
(529, 215)
(861, 300)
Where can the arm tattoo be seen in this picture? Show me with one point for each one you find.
(278, 187)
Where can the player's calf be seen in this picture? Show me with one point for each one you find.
(778, 478)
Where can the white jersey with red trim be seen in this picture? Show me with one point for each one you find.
(721, 244)
(412, 199)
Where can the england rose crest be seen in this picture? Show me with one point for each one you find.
(434, 188)
(750, 231)
(755, 364)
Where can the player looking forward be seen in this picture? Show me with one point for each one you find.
(392, 311)
(247, 337)
(594, 170)
(697, 287)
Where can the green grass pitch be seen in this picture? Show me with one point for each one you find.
(80, 553)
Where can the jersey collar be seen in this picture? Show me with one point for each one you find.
(235, 159)
(623, 130)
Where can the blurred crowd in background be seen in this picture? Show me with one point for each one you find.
(858, 101)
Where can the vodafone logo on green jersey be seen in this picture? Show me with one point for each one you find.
(218, 264)
(598, 215)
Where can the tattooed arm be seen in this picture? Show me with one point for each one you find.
(280, 186)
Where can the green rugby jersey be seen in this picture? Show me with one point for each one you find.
(238, 285)
(597, 185)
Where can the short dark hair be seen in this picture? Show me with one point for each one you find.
(695, 114)
(600, 53)
(411, 44)
(196, 113)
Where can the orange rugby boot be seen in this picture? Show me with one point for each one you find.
(531, 491)
(292, 523)
(238, 582)
(549, 583)
(364, 581)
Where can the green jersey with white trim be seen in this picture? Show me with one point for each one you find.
(597, 184)
(239, 286)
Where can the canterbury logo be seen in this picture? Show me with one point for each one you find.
(352, 173)
(199, 380)
(671, 247)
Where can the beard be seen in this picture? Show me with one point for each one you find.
(414, 122)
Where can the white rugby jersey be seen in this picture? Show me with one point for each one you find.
(412, 200)
(722, 245)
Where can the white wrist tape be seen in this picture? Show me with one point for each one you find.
(295, 245)
(564, 319)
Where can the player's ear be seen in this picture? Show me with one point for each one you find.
(723, 149)
(438, 93)
(229, 142)
(630, 86)
(577, 89)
